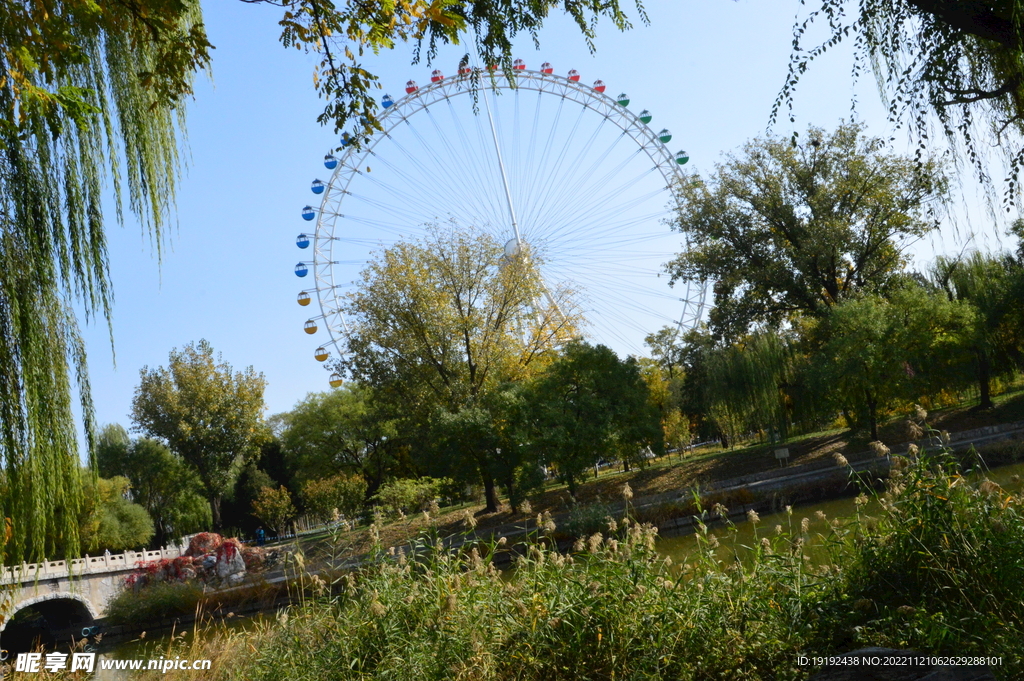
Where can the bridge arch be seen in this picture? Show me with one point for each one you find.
(46, 619)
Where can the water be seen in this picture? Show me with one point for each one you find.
(162, 646)
(745, 533)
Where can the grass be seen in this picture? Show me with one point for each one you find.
(939, 569)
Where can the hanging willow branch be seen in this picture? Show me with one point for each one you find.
(957, 64)
(88, 92)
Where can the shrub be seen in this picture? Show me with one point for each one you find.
(159, 601)
(408, 495)
(274, 507)
(586, 520)
(940, 570)
(341, 492)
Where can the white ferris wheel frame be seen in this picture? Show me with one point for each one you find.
(353, 161)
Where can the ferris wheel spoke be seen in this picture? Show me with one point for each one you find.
(566, 194)
(469, 182)
(477, 157)
(472, 158)
(450, 198)
(410, 213)
(574, 191)
(412, 193)
(606, 229)
(496, 186)
(596, 208)
(452, 168)
(549, 184)
(556, 221)
(541, 178)
(552, 192)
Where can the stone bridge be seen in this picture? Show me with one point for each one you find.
(58, 599)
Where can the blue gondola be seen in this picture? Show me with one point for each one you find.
(330, 162)
(301, 270)
(387, 102)
(317, 187)
(302, 241)
(308, 213)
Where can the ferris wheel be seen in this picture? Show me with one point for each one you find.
(543, 160)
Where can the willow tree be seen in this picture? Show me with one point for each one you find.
(88, 92)
(747, 385)
(957, 63)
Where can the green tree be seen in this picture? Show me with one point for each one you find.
(879, 352)
(109, 520)
(588, 405)
(436, 324)
(160, 482)
(951, 62)
(274, 507)
(343, 493)
(787, 230)
(986, 283)
(488, 435)
(339, 431)
(207, 414)
(747, 385)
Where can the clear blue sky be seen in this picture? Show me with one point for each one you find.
(710, 69)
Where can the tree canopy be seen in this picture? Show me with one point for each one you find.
(438, 323)
(344, 33)
(160, 481)
(208, 414)
(783, 230)
(588, 405)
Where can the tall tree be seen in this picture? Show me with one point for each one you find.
(87, 91)
(985, 282)
(589, 405)
(786, 230)
(438, 323)
(161, 482)
(207, 414)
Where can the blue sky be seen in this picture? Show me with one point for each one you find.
(709, 69)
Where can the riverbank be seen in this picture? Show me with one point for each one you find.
(674, 515)
(613, 608)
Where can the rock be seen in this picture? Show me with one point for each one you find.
(230, 561)
(866, 670)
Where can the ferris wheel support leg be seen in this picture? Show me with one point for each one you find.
(504, 175)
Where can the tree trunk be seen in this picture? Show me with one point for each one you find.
(872, 416)
(625, 465)
(490, 495)
(215, 510)
(984, 379)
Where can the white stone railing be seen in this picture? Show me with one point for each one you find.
(89, 565)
